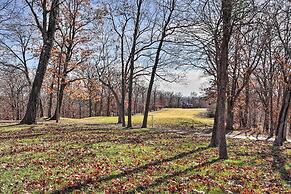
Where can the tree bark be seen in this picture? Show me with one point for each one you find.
(222, 77)
(283, 117)
(60, 97)
(131, 66)
(214, 142)
(246, 123)
(108, 104)
(48, 39)
(50, 102)
(230, 115)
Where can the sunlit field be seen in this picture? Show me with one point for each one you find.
(164, 117)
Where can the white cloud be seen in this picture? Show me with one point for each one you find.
(193, 82)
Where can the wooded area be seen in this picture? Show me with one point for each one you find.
(73, 59)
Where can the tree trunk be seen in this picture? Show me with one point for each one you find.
(100, 112)
(50, 102)
(230, 115)
(222, 77)
(282, 121)
(155, 100)
(267, 119)
(154, 69)
(108, 104)
(90, 106)
(59, 101)
(119, 106)
(48, 39)
(246, 123)
(271, 134)
(40, 108)
(122, 110)
(214, 142)
(31, 110)
(131, 66)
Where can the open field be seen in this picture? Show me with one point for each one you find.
(91, 156)
(164, 117)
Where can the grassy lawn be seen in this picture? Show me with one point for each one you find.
(81, 155)
(165, 117)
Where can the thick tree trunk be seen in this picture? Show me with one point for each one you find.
(222, 77)
(31, 111)
(282, 121)
(48, 39)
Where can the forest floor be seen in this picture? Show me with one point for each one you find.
(95, 155)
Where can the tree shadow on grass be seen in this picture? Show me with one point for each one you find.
(83, 184)
(164, 179)
(279, 164)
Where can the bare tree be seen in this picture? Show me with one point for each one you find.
(47, 28)
(166, 30)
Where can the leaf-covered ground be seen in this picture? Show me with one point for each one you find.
(94, 158)
(110, 159)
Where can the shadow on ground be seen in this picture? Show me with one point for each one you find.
(279, 164)
(138, 169)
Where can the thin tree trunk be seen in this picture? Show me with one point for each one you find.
(156, 63)
(90, 106)
(108, 104)
(214, 142)
(230, 115)
(60, 97)
(131, 67)
(246, 123)
(40, 108)
(50, 102)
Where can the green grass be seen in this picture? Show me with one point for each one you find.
(76, 156)
(164, 117)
